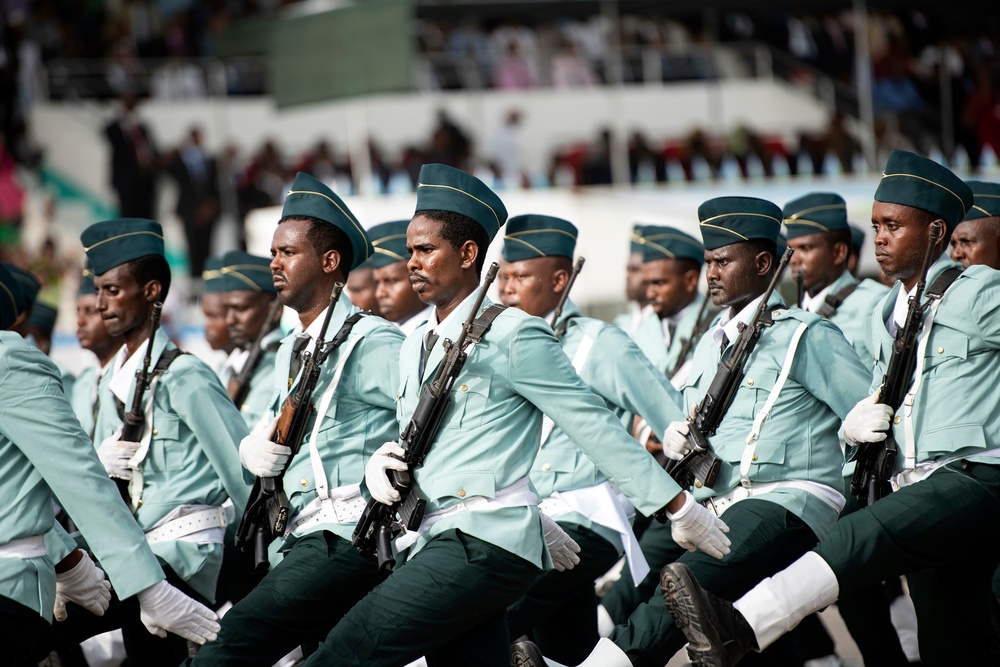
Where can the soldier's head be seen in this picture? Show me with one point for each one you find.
(317, 243)
(213, 307)
(914, 192)
(11, 300)
(857, 245)
(455, 219)
(247, 297)
(40, 325)
(28, 287)
(537, 262)
(361, 288)
(818, 233)
(131, 274)
(395, 298)
(90, 330)
(976, 240)
(635, 288)
(671, 268)
(739, 235)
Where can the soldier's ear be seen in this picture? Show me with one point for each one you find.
(763, 263)
(331, 261)
(151, 291)
(691, 278)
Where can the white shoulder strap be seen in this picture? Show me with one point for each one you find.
(579, 361)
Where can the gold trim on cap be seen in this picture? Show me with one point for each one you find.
(211, 274)
(383, 251)
(807, 223)
(511, 238)
(347, 215)
(227, 270)
(13, 301)
(723, 229)
(659, 247)
(965, 211)
(449, 187)
(390, 237)
(121, 236)
(541, 231)
(676, 237)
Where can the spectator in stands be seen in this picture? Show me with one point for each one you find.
(643, 157)
(570, 69)
(504, 159)
(897, 100)
(596, 168)
(198, 203)
(514, 71)
(134, 161)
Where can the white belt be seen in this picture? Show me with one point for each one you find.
(344, 504)
(25, 547)
(605, 506)
(518, 494)
(203, 524)
(825, 493)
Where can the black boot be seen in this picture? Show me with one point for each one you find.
(525, 653)
(718, 635)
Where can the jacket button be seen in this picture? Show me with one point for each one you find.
(546, 467)
(461, 493)
(156, 432)
(304, 482)
(896, 419)
(464, 387)
(754, 457)
(749, 382)
(940, 350)
(697, 484)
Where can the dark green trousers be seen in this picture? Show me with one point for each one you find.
(447, 603)
(765, 539)
(624, 597)
(320, 578)
(939, 533)
(559, 613)
(27, 634)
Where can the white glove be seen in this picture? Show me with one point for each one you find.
(115, 455)
(164, 609)
(694, 526)
(386, 457)
(84, 584)
(868, 421)
(675, 443)
(261, 456)
(562, 548)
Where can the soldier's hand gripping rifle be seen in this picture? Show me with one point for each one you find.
(700, 467)
(380, 523)
(239, 384)
(876, 460)
(266, 513)
(557, 313)
(134, 425)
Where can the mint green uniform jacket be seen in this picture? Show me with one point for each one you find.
(799, 440)
(45, 455)
(489, 434)
(955, 408)
(193, 457)
(83, 396)
(362, 412)
(854, 315)
(261, 395)
(684, 331)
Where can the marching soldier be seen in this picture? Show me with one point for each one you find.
(818, 232)
(48, 457)
(481, 546)
(779, 487)
(361, 288)
(857, 245)
(946, 480)
(248, 297)
(397, 301)
(976, 240)
(559, 612)
(635, 290)
(212, 308)
(29, 286)
(317, 243)
(184, 467)
(93, 336)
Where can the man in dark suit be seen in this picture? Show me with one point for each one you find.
(197, 197)
(134, 162)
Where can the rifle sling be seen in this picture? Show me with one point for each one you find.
(834, 301)
(942, 283)
(482, 324)
(162, 364)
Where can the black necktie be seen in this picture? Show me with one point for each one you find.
(295, 363)
(425, 352)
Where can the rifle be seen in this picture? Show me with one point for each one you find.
(700, 467)
(379, 524)
(699, 329)
(239, 384)
(266, 513)
(876, 460)
(800, 288)
(135, 419)
(565, 295)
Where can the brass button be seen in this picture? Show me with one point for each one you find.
(138, 504)
(940, 350)
(749, 382)
(461, 493)
(697, 484)
(546, 467)
(896, 419)
(156, 432)
(464, 387)
(304, 482)
(754, 457)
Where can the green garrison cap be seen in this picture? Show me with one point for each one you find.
(114, 242)
(389, 242)
(43, 316)
(444, 188)
(311, 198)
(531, 236)
(727, 220)
(11, 299)
(211, 276)
(87, 283)
(637, 232)
(781, 244)
(987, 200)
(28, 285)
(243, 272)
(815, 213)
(659, 242)
(857, 238)
(912, 180)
